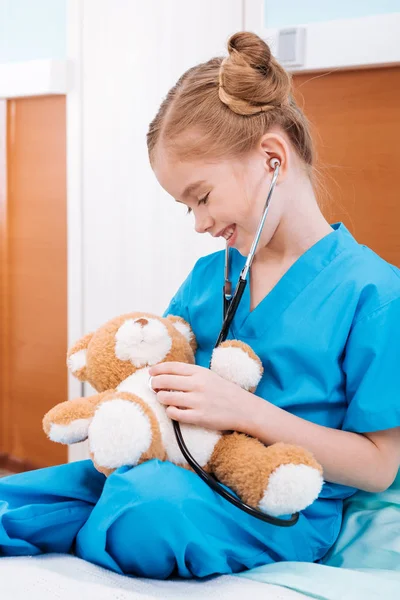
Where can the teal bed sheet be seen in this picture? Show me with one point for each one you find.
(364, 562)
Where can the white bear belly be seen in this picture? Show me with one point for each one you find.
(199, 441)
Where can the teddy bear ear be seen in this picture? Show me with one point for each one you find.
(184, 328)
(76, 357)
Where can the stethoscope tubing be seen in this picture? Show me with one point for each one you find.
(230, 305)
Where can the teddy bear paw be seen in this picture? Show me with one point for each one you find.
(291, 488)
(236, 362)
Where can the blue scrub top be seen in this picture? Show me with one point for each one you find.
(328, 334)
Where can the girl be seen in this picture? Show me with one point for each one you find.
(321, 311)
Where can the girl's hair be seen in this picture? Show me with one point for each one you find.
(222, 107)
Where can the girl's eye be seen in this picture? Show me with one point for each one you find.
(201, 201)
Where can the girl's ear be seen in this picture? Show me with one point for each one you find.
(274, 146)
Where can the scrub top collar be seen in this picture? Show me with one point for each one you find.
(305, 269)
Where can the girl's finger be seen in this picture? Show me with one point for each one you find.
(172, 368)
(177, 383)
(183, 416)
(178, 399)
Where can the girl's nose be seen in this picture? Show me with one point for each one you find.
(203, 224)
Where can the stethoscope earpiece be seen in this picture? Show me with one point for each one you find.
(274, 162)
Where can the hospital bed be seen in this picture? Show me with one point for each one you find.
(364, 564)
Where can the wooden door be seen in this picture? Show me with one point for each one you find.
(33, 262)
(356, 125)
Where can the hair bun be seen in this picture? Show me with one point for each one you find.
(250, 79)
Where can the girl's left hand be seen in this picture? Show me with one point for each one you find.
(196, 395)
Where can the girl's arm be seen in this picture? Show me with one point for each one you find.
(199, 396)
(368, 461)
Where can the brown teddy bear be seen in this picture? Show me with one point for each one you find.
(126, 425)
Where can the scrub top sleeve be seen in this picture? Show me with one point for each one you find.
(372, 368)
(179, 305)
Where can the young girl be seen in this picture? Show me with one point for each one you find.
(321, 311)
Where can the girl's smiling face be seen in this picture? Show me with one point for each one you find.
(226, 197)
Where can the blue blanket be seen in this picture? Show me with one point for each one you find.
(367, 552)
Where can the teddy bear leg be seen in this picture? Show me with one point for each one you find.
(279, 480)
(124, 432)
(236, 362)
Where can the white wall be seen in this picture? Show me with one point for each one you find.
(137, 244)
(130, 244)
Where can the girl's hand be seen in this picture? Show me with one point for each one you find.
(196, 395)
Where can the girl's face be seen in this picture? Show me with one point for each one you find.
(226, 197)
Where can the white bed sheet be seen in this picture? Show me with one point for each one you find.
(65, 577)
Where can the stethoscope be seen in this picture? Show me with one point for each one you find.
(230, 305)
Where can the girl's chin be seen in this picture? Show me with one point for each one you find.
(241, 245)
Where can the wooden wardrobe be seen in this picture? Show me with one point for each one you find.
(355, 117)
(33, 277)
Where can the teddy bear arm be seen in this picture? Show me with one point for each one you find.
(68, 422)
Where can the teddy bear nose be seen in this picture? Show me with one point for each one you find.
(142, 322)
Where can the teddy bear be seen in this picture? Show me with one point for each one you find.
(126, 425)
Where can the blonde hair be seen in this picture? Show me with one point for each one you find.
(222, 107)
